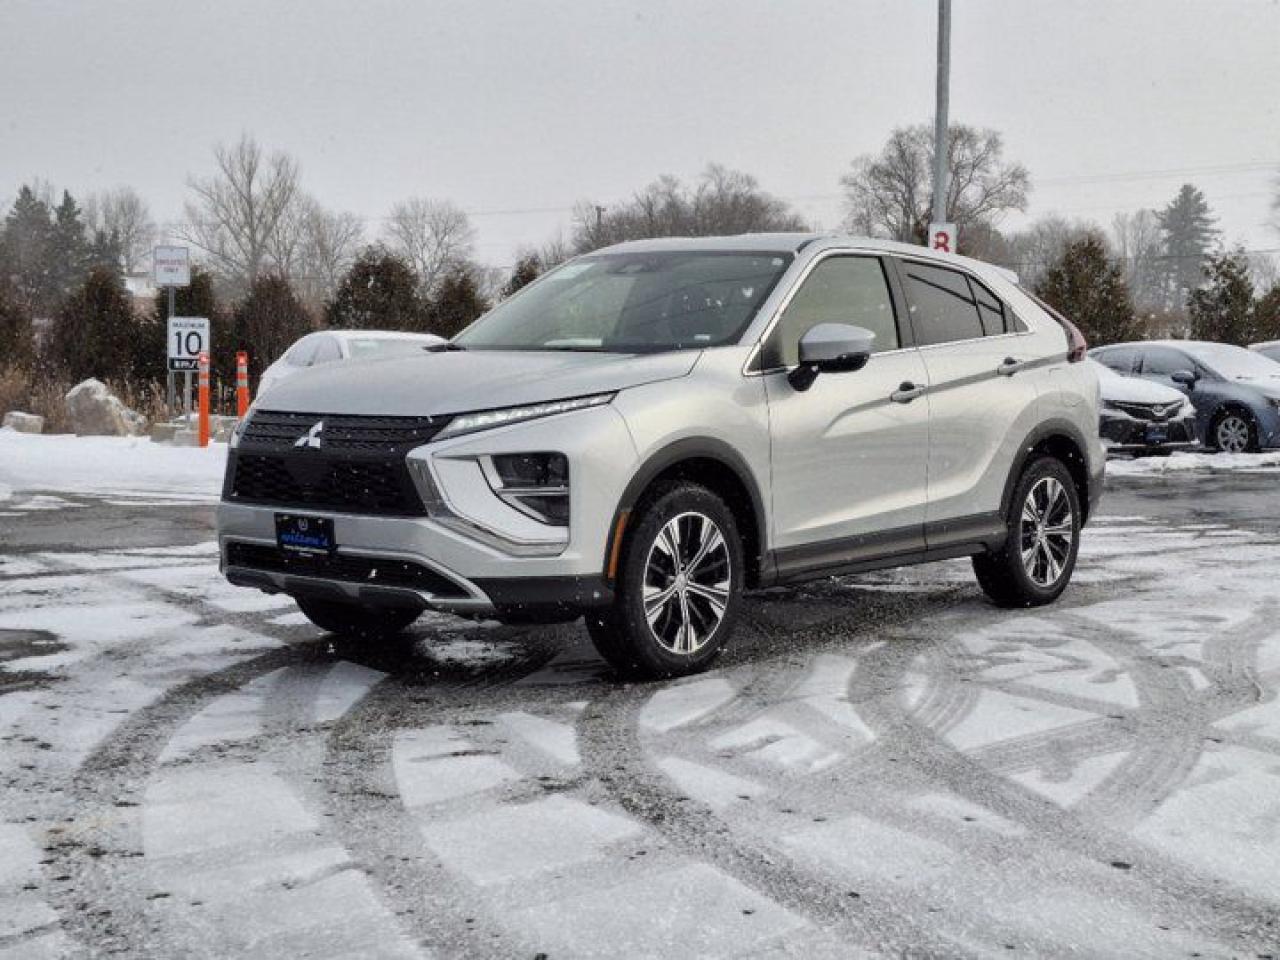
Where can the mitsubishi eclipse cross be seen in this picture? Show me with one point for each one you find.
(649, 430)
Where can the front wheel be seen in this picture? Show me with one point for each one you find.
(1233, 432)
(1035, 564)
(354, 620)
(678, 590)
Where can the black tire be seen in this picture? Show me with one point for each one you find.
(623, 634)
(1003, 574)
(1220, 420)
(354, 620)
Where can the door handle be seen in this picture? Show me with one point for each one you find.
(1009, 366)
(906, 392)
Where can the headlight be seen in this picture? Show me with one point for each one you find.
(240, 428)
(536, 484)
(1108, 405)
(488, 419)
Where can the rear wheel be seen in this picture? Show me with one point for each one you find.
(1233, 432)
(678, 589)
(1036, 562)
(355, 620)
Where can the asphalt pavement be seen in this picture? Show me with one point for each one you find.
(882, 765)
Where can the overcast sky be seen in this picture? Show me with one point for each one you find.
(517, 109)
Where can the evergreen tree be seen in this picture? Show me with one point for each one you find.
(95, 333)
(379, 292)
(1266, 315)
(527, 270)
(24, 253)
(1189, 235)
(69, 253)
(1090, 290)
(457, 302)
(1222, 308)
(105, 249)
(17, 344)
(269, 320)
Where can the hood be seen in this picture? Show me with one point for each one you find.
(1137, 390)
(458, 381)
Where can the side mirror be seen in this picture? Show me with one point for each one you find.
(1186, 378)
(831, 348)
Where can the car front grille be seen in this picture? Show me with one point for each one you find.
(1149, 411)
(367, 571)
(327, 461)
(273, 430)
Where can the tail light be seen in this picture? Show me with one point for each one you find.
(1077, 345)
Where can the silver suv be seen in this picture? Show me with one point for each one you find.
(649, 430)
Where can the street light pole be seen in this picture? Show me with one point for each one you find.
(940, 113)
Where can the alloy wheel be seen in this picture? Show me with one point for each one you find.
(687, 578)
(1047, 531)
(1233, 434)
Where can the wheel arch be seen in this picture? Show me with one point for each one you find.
(713, 464)
(1060, 439)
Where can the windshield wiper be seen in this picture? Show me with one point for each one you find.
(447, 347)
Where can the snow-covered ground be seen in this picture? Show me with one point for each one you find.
(882, 765)
(1177, 462)
(121, 466)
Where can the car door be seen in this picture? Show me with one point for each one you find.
(982, 397)
(848, 454)
(1159, 363)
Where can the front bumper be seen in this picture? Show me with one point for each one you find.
(1121, 433)
(469, 552)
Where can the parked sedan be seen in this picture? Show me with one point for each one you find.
(1236, 392)
(330, 345)
(1143, 418)
(1270, 349)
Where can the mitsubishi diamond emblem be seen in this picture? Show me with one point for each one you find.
(311, 438)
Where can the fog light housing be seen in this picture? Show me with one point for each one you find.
(536, 484)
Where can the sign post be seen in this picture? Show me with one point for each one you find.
(171, 268)
(943, 237)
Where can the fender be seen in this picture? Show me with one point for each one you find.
(690, 448)
(1043, 432)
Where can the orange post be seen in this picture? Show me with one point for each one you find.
(203, 395)
(242, 384)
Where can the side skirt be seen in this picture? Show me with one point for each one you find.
(942, 540)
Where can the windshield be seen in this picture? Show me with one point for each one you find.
(634, 303)
(367, 347)
(1235, 363)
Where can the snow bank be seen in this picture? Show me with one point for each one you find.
(108, 465)
(1179, 462)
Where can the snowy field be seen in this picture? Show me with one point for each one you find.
(882, 765)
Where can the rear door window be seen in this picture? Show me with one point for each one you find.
(943, 306)
(302, 353)
(1119, 359)
(327, 350)
(1164, 362)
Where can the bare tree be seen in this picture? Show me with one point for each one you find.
(721, 202)
(433, 235)
(1139, 244)
(240, 213)
(1031, 251)
(330, 244)
(125, 214)
(891, 194)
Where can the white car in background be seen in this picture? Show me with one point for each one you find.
(328, 346)
(1142, 418)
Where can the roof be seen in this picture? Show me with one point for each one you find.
(794, 242)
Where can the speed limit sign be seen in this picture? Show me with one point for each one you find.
(188, 338)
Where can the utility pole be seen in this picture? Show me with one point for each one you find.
(941, 110)
(599, 219)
